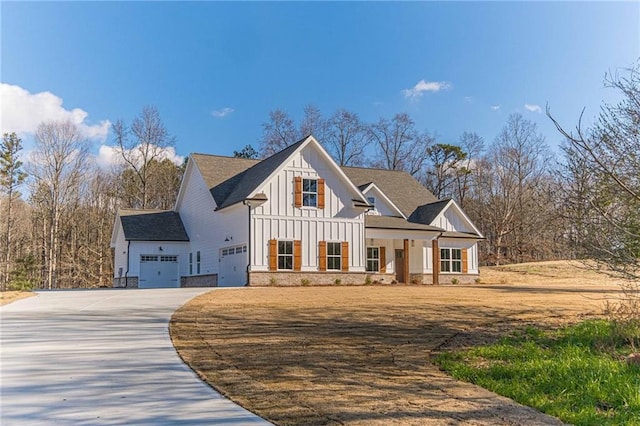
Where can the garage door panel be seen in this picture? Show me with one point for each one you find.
(233, 264)
(158, 271)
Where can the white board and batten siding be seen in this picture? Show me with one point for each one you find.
(208, 229)
(278, 218)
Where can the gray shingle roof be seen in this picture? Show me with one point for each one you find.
(152, 225)
(401, 188)
(388, 222)
(231, 180)
(426, 213)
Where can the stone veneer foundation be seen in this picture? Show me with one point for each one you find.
(199, 281)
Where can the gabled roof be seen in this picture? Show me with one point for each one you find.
(152, 225)
(232, 180)
(403, 190)
(426, 213)
(367, 188)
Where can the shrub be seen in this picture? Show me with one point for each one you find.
(455, 281)
(305, 281)
(337, 281)
(273, 281)
(478, 280)
(367, 280)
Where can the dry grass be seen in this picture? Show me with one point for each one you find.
(362, 355)
(7, 297)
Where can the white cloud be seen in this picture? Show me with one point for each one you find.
(495, 107)
(109, 156)
(423, 86)
(223, 112)
(533, 108)
(22, 112)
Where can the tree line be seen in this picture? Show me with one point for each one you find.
(529, 202)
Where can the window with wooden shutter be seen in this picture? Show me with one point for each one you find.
(383, 260)
(322, 255)
(297, 255)
(465, 261)
(297, 191)
(345, 256)
(321, 193)
(273, 255)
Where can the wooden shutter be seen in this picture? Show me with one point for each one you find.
(297, 255)
(383, 259)
(297, 191)
(322, 255)
(465, 261)
(345, 256)
(321, 193)
(273, 255)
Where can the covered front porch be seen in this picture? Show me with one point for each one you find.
(401, 251)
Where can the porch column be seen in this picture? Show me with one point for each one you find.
(406, 261)
(436, 261)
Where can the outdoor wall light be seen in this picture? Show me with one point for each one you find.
(160, 248)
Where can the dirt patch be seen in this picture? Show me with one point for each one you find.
(362, 355)
(7, 297)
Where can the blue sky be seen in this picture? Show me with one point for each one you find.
(479, 62)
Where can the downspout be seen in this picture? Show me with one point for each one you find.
(126, 274)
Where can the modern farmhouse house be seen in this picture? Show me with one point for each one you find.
(294, 218)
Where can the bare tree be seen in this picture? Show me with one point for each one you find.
(11, 177)
(346, 138)
(57, 164)
(144, 142)
(511, 201)
(603, 181)
(399, 145)
(277, 133)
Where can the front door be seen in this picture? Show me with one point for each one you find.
(399, 265)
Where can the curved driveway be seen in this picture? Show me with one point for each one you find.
(102, 357)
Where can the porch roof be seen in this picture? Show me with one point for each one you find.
(451, 234)
(390, 222)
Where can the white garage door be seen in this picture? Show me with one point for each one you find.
(158, 271)
(233, 266)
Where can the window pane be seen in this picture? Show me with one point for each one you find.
(445, 254)
(333, 263)
(285, 262)
(285, 247)
(333, 249)
(373, 253)
(444, 266)
(309, 200)
(456, 254)
(309, 185)
(457, 266)
(372, 266)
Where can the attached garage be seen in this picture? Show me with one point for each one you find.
(233, 266)
(159, 271)
(148, 247)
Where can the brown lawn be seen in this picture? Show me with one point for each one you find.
(362, 355)
(7, 297)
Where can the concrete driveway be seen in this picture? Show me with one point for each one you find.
(102, 357)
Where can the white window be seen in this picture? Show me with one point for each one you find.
(373, 259)
(334, 257)
(197, 262)
(310, 192)
(148, 258)
(372, 201)
(168, 258)
(285, 254)
(191, 263)
(450, 260)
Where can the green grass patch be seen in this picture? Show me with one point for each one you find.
(577, 374)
